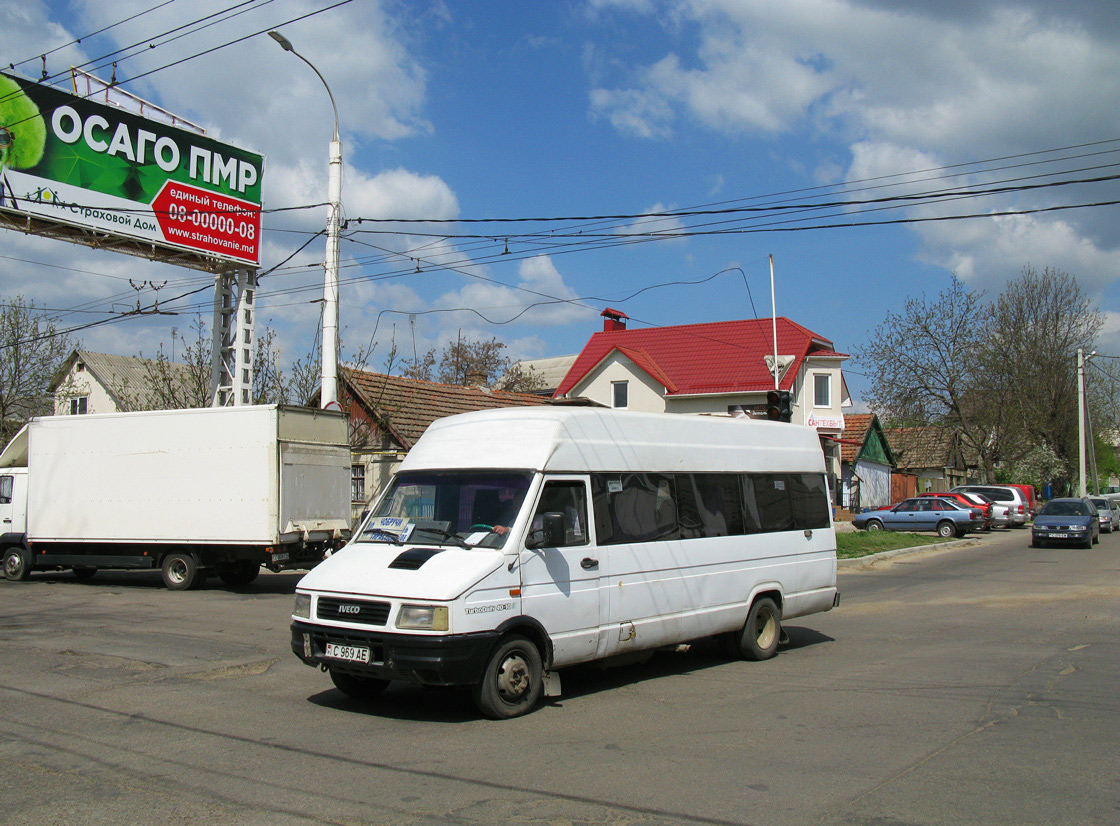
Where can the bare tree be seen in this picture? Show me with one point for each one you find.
(519, 379)
(926, 367)
(464, 362)
(32, 349)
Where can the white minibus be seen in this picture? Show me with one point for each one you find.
(514, 542)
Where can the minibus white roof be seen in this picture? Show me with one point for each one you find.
(579, 440)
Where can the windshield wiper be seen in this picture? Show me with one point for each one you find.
(381, 535)
(458, 540)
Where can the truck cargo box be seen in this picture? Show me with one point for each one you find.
(255, 475)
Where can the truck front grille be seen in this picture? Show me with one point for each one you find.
(353, 610)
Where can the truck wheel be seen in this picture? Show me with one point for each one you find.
(239, 574)
(84, 572)
(360, 688)
(16, 564)
(181, 572)
(513, 680)
(761, 632)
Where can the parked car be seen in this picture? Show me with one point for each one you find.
(1033, 504)
(1108, 512)
(970, 500)
(1067, 521)
(1018, 511)
(922, 513)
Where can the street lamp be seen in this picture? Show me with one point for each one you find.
(329, 392)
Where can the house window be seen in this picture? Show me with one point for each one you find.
(822, 390)
(357, 483)
(79, 405)
(619, 394)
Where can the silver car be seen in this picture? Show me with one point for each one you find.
(1109, 513)
(1016, 511)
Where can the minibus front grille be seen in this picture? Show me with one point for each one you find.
(353, 610)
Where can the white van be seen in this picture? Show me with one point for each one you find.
(515, 542)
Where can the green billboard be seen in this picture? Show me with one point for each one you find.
(67, 159)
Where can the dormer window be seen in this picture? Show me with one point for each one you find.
(620, 395)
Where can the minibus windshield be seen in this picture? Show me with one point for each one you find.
(468, 508)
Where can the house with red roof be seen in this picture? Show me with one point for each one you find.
(723, 367)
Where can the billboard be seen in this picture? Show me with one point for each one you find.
(68, 160)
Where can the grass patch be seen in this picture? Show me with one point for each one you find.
(865, 543)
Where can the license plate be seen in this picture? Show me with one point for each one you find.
(1058, 536)
(279, 557)
(349, 653)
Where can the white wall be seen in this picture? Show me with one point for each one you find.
(81, 383)
(645, 394)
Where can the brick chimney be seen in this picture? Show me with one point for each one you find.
(613, 320)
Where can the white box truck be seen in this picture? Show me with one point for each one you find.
(190, 492)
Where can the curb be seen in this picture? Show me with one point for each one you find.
(933, 546)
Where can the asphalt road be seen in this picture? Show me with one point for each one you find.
(978, 684)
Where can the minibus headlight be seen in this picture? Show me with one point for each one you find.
(423, 617)
(303, 606)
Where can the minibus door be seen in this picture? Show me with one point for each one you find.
(561, 569)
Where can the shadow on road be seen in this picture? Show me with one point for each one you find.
(403, 701)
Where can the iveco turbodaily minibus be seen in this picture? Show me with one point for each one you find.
(514, 542)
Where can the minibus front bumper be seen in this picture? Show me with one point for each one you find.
(452, 659)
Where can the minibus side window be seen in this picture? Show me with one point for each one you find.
(634, 507)
(752, 519)
(809, 496)
(709, 504)
(771, 491)
(570, 500)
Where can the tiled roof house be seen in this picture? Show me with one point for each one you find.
(934, 454)
(866, 461)
(90, 382)
(388, 414)
(716, 368)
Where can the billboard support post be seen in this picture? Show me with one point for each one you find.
(231, 365)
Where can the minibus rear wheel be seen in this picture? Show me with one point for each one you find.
(513, 680)
(758, 639)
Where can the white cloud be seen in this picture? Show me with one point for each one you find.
(663, 225)
(908, 87)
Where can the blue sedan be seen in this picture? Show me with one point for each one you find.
(1066, 520)
(923, 514)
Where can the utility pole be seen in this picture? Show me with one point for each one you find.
(1081, 420)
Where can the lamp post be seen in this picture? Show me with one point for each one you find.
(329, 392)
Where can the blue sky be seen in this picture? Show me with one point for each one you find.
(456, 111)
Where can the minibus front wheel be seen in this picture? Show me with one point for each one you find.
(513, 680)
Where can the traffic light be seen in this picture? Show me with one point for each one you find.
(778, 406)
(774, 406)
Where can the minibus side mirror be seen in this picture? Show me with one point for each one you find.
(550, 535)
